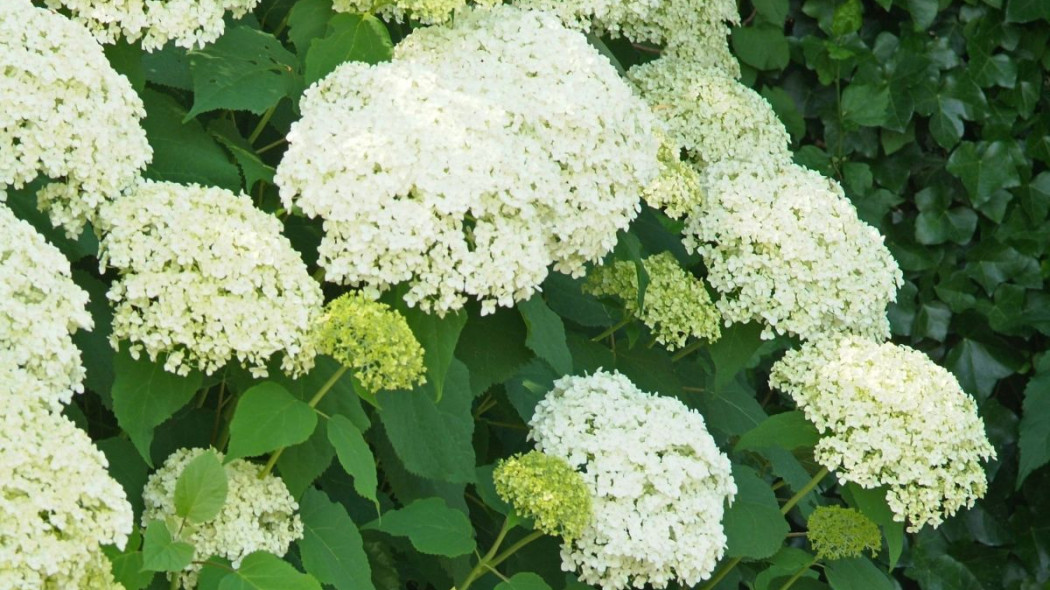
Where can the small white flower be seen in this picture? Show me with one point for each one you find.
(425, 11)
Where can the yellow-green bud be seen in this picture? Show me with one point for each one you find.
(836, 533)
(547, 490)
(372, 340)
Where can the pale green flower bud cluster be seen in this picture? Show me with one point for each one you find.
(547, 490)
(890, 417)
(259, 514)
(373, 340)
(677, 188)
(676, 307)
(839, 533)
(425, 11)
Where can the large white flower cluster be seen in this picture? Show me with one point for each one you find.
(58, 505)
(485, 152)
(425, 11)
(206, 277)
(40, 308)
(659, 483)
(259, 514)
(188, 23)
(890, 417)
(785, 247)
(67, 115)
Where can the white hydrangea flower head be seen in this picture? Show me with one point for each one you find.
(785, 247)
(187, 23)
(260, 514)
(710, 115)
(205, 277)
(40, 309)
(658, 482)
(58, 504)
(487, 151)
(427, 12)
(67, 115)
(890, 417)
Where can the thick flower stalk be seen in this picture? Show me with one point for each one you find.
(40, 309)
(67, 116)
(373, 340)
(186, 23)
(785, 247)
(890, 417)
(677, 306)
(259, 514)
(205, 278)
(425, 11)
(658, 483)
(486, 152)
(547, 490)
(840, 533)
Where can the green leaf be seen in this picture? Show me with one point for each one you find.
(307, 21)
(523, 581)
(1034, 431)
(268, 418)
(789, 431)
(266, 571)
(848, 18)
(983, 169)
(946, 225)
(762, 46)
(546, 334)
(786, 109)
(977, 369)
(857, 573)
(431, 526)
(772, 11)
(432, 438)
(923, 13)
(144, 396)
(162, 554)
(331, 548)
(127, 564)
(301, 464)
(350, 37)
(355, 456)
(438, 336)
(168, 66)
(872, 503)
(252, 167)
(786, 562)
(865, 105)
(1026, 11)
(529, 386)
(734, 350)
(200, 491)
(244, 70)
(754, 526)
(493, 348)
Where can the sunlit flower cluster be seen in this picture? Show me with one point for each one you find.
(205, 278)
(785, 247)
(40, 308)
(67, 115)
(425, 11)
(187, 23)
(677, 189)
(58, 504)
(485, 152)
(259, 514)
(658, 482)
(676, 307)
(547, 490)
(841, 533)
(373, 340)
(890, 417)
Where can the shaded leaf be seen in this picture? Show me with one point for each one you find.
(354, 455)
(546, 334)
(160, 553)
(268, 418)
(331, 547)
(349, 37)
(266, 571)
(754, 526)
(431, 526)
(788, 430)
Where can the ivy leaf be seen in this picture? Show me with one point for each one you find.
(145, 395)
(350, 37)
(923, 13)
(268, 418)
(864, 105)
(438, 336)
(983, 169)
(162, 554)
(332, 549)
(244, 70)
(523, 581)
(977, 369)
(266, 571)
(355, 456)
(788, 430)
(200, 491)
(1026, 11)
(754, 526)
(1034, 433)
(546, 334)
(431, 526)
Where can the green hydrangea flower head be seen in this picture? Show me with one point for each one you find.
(373, 340)
(836, 533)
(547, 490)
(676, 306)
(677, 188)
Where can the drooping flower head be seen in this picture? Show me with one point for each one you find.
(676, 307)
(259, 514)
(187, 23)
(547, 490)
(206, 278)
(840, 533)
(890, 417)
(425, 11)
(40, 309)
(658, 483)
(67, 116)
(373, 340)
(786, 248)
(486, 152)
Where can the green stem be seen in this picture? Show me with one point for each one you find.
(681, 354)
(612, 330)
(791, 581)
(270, 146)
(722, 573)
(316, 399)
(174, 585)
(515, 547)
(261, 125)
(479, 569)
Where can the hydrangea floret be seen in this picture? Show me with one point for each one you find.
(547, 490)
(259, 514)
(186, 23)
(487, 151)
(676, 307)
(427, 12)
(67, 116)
(658, 483)
(373, 340)
(890, 417)
(836, 532)
(785, 247)
(40, 309)
(205, 277)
